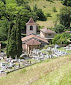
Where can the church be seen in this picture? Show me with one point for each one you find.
(34, 41)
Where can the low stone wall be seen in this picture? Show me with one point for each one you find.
(20, 68)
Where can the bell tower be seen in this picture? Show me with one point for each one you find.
(31, 27)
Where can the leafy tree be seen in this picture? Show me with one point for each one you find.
(65, 16)
(19, 2)
(61, 38)
(59, 28)
(4, 1)
(2, 9)
(4, 25)
(56, 39)
(66, 2)
(39, 13)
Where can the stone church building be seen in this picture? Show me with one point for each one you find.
(32, 40)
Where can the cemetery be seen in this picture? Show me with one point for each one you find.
(8, 65)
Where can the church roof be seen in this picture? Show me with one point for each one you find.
(46, 30)
(33, 42)
(24, 39)
(30, 22)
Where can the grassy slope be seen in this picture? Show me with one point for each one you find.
(49, 72)
(47, 9)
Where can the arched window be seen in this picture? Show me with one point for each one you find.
(31, 27)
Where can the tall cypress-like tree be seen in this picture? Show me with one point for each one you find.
(11, 46)
(12, 43)
(18, 36)
(9, 35)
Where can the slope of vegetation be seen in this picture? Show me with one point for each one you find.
(50, 72)
(49, 10)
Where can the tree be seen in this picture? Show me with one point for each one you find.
(4, 25)
(56, 39)
(66, 2)
(18, 36)
(2, 9)
(11, 47)
(65, 16)
(61, 38)
(4, 1)
(39, 13)
(59, 28)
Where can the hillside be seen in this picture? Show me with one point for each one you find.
(47, 8)
(50, 72)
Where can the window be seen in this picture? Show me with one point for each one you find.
(49, 34)
(31, 27)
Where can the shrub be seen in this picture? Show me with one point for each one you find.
(54, 9)
(59, 28)
(48, 15)
(61, 38)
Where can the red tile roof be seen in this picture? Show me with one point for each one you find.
(45, 30)
(33, 36)
(33, 42)
(30, 22)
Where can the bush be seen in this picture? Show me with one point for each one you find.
(66, 2)
(50, 0)
(48, 15)
(61, 39)
(39, 13)
(54, 9)
(59, 28)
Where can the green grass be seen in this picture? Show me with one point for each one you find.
(62, 49)
(49, 72)
(60, 76)
(47, 7)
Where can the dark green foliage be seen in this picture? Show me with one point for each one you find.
(59, 28)
(3, 29)
(9, 10)
(11, 46)
(54, 9)
(12, 43)
(65, 16)
(4, 1)
(18, 37)
(39, 13)
(66, 2)
(14, 46)
(20, 2)
(2, 9)
(61, 38)
(50, 0)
